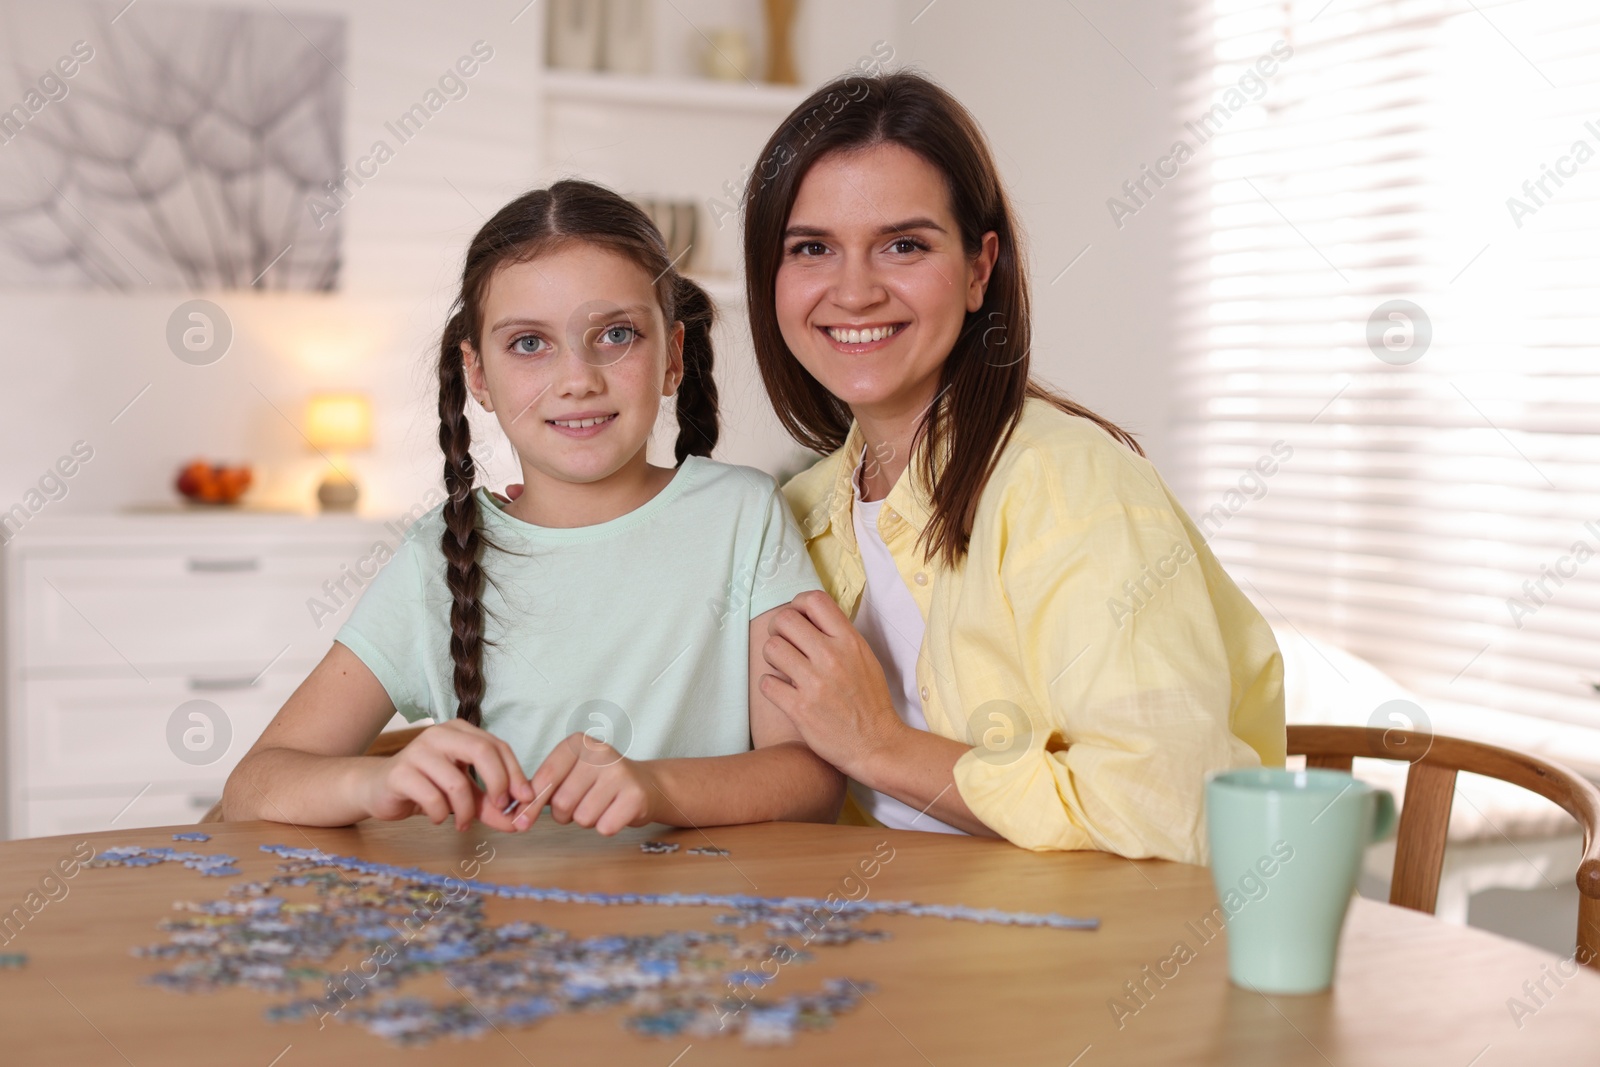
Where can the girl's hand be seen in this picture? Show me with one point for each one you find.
(592, 784)
(830, 685)
(430, 775)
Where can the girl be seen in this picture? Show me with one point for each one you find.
(1043, 646)
(602, 623)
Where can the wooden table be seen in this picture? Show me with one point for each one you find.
(1411, 990)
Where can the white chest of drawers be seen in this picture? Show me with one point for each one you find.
(145, 653)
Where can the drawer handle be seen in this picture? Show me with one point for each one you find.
(216, 684)
(223, 566)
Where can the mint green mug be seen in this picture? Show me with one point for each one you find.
(1285, 851)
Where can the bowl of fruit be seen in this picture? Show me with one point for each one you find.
(212, 483)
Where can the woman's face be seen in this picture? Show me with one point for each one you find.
(874, 284)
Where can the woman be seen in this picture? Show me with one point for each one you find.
(1043, 648)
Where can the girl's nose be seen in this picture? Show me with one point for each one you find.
(580, 368)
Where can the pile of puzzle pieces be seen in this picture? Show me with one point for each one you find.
(400, 923)
(508, 975)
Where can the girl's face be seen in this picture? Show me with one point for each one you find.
(874, 283)
(575, 359)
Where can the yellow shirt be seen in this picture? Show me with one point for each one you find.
(1126, 663)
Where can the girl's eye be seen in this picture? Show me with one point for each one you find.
(618, 335)
(907, 245)
(807, 248)
(527, 344)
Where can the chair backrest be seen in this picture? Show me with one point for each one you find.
(1430, 789)
(391, 741)
(385, 744)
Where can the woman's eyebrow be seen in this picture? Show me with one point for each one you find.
(918, 223)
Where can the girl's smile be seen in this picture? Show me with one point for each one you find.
(583, 425)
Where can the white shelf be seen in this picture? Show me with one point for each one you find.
(698, 94)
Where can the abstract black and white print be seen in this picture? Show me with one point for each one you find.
(151, 146)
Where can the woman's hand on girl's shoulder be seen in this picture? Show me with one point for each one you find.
(592, 784)
(431, 775)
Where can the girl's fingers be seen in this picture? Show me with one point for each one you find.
(521, 788)
(595, 802)
(454, 783)
(524, 817)
(521, 814)
(614, 818)
(487, 760)
(624, 811)
(415, 787)
(495, 816)
(565, 800)
(491, 757)
(553, 771)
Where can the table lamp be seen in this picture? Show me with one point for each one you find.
(336, 425)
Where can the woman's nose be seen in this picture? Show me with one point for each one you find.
(857, 285)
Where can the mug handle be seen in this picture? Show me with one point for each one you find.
(1384, 816)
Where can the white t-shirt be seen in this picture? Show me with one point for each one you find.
(892, 624)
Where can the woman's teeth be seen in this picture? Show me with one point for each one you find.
(856, 337)
(580, 424)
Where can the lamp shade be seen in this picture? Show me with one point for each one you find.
(339, 421)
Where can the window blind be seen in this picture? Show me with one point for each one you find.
(1433, 501)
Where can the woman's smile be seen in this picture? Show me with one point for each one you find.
(856, 340)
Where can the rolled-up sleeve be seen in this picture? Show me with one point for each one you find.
(1126, 677)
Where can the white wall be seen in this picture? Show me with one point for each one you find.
(1069, 118)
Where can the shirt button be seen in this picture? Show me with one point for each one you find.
(889, 514)
(921, 578)
(924, 693)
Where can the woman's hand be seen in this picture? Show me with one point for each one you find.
(431, 775)
(592, 784)
(829, 684)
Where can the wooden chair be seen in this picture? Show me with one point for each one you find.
(1430, 789)
(385, 744)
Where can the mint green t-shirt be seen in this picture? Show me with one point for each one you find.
(636, 630)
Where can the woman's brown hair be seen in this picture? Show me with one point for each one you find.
(534, 224)
(986, 379)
